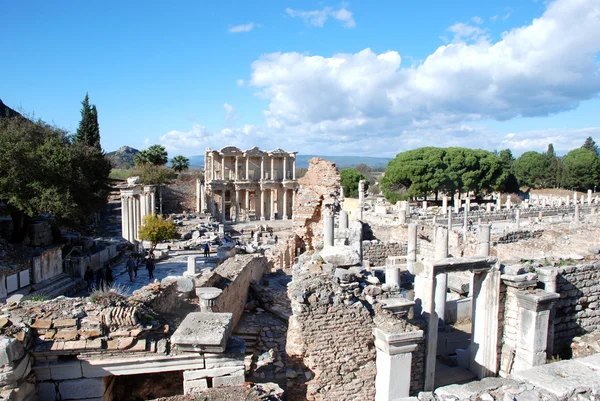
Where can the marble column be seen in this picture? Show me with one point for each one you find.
(223, 205)
(237, 204)
(444, 204)
(272, 171)
(202, 198)
(412, 248)
(124, 217)
(465, 222)
(223, 167)
(574, 197)
(361, 192)
(425, 205)
(284, 168)
(262, 204)
(449, 219)
(441, 289)
(262, 168)
(468, 204)
(518, 217)
(294, 168)
(247, 168)
(273, 210)
(488, 207)
(285, 205)
(236, 169)
(589, 196)
(483, 240)
(198, 196)
(328, 228)
(131, 213)
(213, 212)
(576, 212)
(343, 220)
(153, 201)
(293, 201)
(247, 205)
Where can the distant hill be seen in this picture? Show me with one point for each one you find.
(6, 111)
(302, 161)
(123, 157)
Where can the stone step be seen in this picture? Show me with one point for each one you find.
(50, 281)
(65, 286)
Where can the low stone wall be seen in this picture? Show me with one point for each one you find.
(377, 252)
(516, 236)
(234, 277)
(577, 311)
(47, 265)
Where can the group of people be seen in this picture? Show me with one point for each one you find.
(100, 278)
(133, 264)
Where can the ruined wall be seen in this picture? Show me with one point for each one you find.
(178, 196)
(318, 189)
(509, 324)
(377, 252)
(47, 265)
(234, 277)
(282, 255)
(577, 311)
(333, 340)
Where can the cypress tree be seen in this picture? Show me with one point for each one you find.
(88, 131)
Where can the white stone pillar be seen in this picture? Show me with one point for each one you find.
(284, 168)
(202, 198)
(273, 203)
(393, 363)
(247, 205)
(237, 204)
(262, 204)
(191, 265)
(518, 217)
(449, 219)
(425, 205)
(153, 201)
(412, 248)
(293, 201)
(328, 228)
(124, 217)
(465, 222)
(488, 207)
(272, 169)
(213, 212)
(223, 205)
(223, 167)
(212, 166)
(236, 168)
(131, 212)
(483, 240)
(574, 197)
(444, 204)
(262, 168)
(247, 168)
(285, 205)
(534, 314)
(468, 204)
(441, 289)
(402, 215)
(198, 196)
(589, 196)
(361, 192)
(576, 212)
(343, 220)
(294, 168)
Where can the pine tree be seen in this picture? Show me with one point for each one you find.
(88, 131)
(590, 144)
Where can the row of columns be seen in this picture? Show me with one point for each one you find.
(213, 172)
(274, 206)
(136, 203)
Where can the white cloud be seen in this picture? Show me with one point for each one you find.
(318, 17)
(372, 104)
(240, 83)
(477, 20)
(231, 115)
(243, 28)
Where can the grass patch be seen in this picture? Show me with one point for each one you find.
(120, 173)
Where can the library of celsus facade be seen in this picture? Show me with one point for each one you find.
(248, 185)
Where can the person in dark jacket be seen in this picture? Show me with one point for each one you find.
(100, 278)
(88, 276)
(150, 267)
(109, 276)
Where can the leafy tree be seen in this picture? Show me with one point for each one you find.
(349, 181)
(506, 180)
(88, 131)
(590, 145)
(180, 163)
(581, 169)
(141, 158)
(156, 229)
(154, 175)
(531, 169)
(553, 176)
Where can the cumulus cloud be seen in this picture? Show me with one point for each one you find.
(318, 17)
(231, 115)
(370, 103)
(477, 20)
(243, 28)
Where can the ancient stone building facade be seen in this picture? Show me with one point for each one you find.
(137, 201)
(248, 185)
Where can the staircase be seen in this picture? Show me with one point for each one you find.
(62, 284)
(250, 336)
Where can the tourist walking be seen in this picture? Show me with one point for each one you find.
(88, 276)
(130, 266)
(109, 275)
(100, 279)
(150, 266)
(206, 250)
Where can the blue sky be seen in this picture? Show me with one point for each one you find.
(370, 78)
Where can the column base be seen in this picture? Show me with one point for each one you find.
(272, 218)
(262, 218)
(284, 217)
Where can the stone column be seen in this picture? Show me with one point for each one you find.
(589, 196)
(412, 248)
(294, 168)
(508, 202)
(153, 201)
(361, 192)
(138, 216)
(425, 205)
(394, 358)
(293, 201)
(484, 339)
(548, 276)
(499, 202)
(213, 212)
(237, 204)
(534, 314)
(444, 204)
(262, 168)
(402, 215)
(247, 205)
(441, 289)
(576, 212)
(202, 198)
(262, 204)
(198, 196)
(328, 228)
(574, 197)
(449, 219)
(488, 207)
(343, 220)
(284, 168)
(131, 213)
(483, 240)
(223, 205)
(465, 222)
(285, 206)
(124, 217)
(223, 167)
(272, 169)
(468, 204)
(236, 167)
(212, 167)
(518, 217)
(247, 168)
(191, 265)
(273, 210)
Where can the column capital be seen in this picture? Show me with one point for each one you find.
(536, 300)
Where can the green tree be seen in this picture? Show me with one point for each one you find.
(590, 145)
(349, 180)
(180, 163)
(581, 169)
(156, 229)
(157, 155)
(554, 167)
(88, 131)
(531, 169)
(506, 180)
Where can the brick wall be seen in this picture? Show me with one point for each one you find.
(377, 252)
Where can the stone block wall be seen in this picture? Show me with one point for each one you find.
(47, 265)
(508, 327)
(377, 252)
(179, 196)
(16, 379)
(417, 372)
(40, 234)
(578, 309)
(234, 277)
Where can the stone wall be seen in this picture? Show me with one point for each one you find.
(47, 265)
(234, 277)
(319, 189)
(577, 311)
(333, 340)
(377, 252)
(178, 196)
